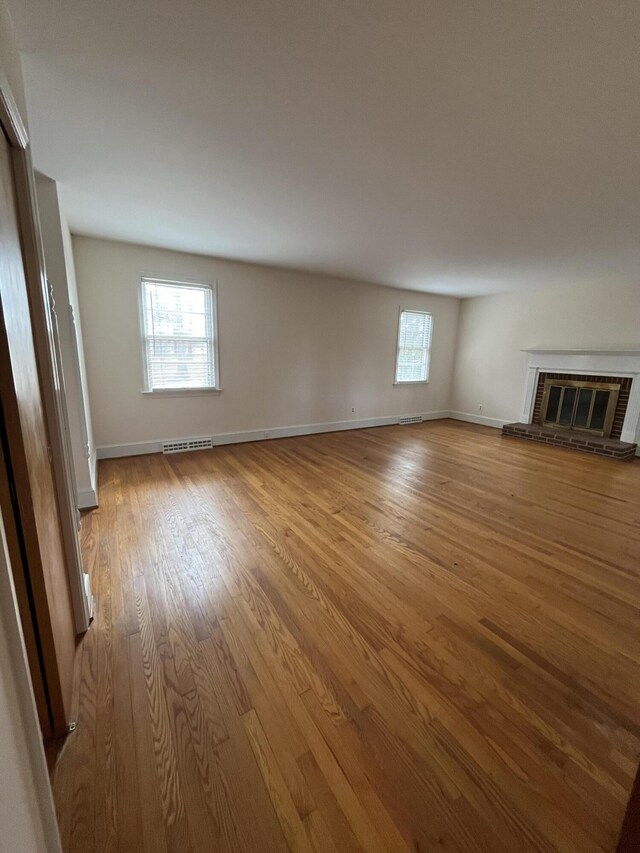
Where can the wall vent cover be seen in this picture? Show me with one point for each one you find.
(187, 444)
(413, 419)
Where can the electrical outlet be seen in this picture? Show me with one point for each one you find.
(480, 407)
(353, 408)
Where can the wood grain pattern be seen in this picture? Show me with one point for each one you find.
(27, 443)
(410, 638)
(11, 525)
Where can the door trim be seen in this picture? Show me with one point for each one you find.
(51, 380)
(10, 117)
(17, 671)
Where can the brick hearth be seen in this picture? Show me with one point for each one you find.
(612, 448)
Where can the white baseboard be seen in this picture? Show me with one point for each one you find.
(138, 448)
(498, 423)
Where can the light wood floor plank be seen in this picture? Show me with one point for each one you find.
(409, 638)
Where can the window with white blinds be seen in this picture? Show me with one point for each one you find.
(414, 346)
(178, 324)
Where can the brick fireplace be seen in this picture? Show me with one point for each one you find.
(586, 400)
(621, 383)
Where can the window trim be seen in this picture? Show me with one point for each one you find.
(212, 286)
(403, 309)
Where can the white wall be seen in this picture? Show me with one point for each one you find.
(295, 348)
(61, 274)
(10, 64)
(27, 818)
(490, 366)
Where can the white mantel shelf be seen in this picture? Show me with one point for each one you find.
(603, 362)
(623, 352)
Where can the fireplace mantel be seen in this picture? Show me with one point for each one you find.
(623, 362)
(634, 353)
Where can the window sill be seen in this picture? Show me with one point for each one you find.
(417, 382)
(180, 392)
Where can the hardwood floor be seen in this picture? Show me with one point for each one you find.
(416, 638)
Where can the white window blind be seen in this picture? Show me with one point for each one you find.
(414, 346)
(179, 335)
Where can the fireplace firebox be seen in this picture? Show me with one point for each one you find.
(585, 406)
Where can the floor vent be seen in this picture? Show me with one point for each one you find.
(188, 444)
(414, 419)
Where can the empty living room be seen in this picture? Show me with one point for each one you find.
(320, 417)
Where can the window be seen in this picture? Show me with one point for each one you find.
(414, 347)
(179, 335)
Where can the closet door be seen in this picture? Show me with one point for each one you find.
(13, 535)
(30, 459)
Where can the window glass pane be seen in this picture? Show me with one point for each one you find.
(553, 403)
(566, 407)
(178, 326)
(414, 340)
(599, 409)
(175, 310)
(581, 418)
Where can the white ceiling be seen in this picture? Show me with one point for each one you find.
(441, 145)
